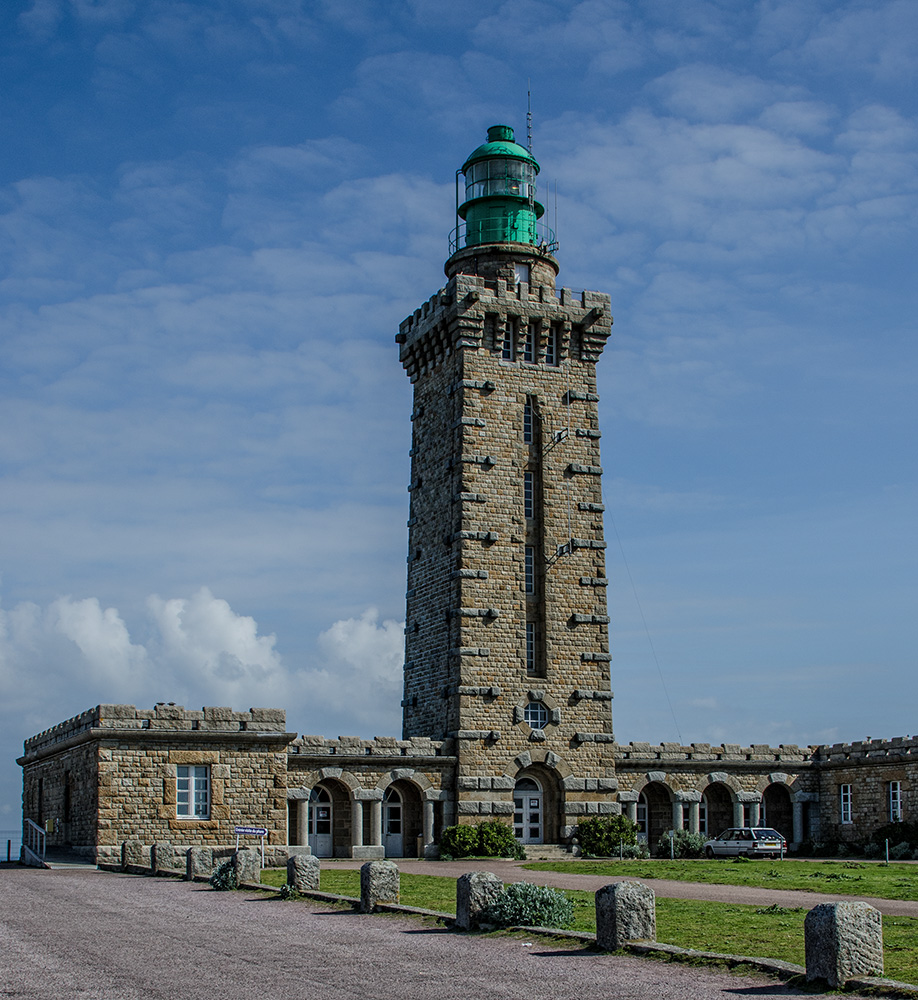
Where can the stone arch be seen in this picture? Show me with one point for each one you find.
(538, 755)
(341, 792)
(423, 784)
(719, 778)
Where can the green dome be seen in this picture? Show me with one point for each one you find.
(500, 143)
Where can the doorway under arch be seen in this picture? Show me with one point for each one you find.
(716, 810)
(402, 819)
(654, 813)
(329, 820)
(528, 811)
(777, 811)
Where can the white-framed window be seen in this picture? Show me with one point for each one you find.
(551, 345)
(522, 273)
(703, 817)
(844, 799)
(529, 344)
(894, 797)
(530, 647)
(529, 494)
(536, 715)
(527, 423)
(529, 569)
(192, 791)
(508, 346)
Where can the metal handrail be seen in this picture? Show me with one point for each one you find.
(547, 243)
(34, 838)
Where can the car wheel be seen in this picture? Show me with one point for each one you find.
(709, 853)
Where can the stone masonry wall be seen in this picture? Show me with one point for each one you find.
(868, 766)
(469, 460)
(123, 770)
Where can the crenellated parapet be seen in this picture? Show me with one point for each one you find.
(167, 718)
(676, 752)
(899, 748)
(465, 314)
(381, 746)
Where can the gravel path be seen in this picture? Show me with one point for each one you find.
(85, 934)
(512, 871)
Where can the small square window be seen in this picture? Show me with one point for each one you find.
(530, 569)
(192, 791)
(536, 715)
(529, 495)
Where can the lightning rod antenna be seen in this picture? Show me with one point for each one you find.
(529, 114)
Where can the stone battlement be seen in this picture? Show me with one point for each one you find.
(380, 746)
(897, 747)
(758, 752)
(163, 717)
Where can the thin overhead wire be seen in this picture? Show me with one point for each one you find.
(637, 601)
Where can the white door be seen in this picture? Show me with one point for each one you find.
(527, 812)
(393, 825)
(320, 823)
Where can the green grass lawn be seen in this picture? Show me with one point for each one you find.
(768, 932)
(848, 878)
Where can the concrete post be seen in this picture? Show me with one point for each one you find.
(303, 872)
(475, 892)
(302, 822)
(738, 814)
(754, 813)
(625, 911)
(694, 821)
(797, 834)
(376, 822)
(631, 811)
(356, 823)
(677, 814)
(379, 883)
(428, 825)
(843, 941)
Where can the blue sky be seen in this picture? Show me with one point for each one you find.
(213, 216)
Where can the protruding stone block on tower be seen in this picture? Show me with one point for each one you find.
(379, 883)
(843, 941)
(475, 892)
(625, 911)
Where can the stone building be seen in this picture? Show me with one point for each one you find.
(507, 698)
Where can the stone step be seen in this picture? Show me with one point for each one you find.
(548, 852)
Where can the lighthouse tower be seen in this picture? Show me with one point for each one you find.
(507, 646)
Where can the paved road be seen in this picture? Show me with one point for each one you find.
(85, 934)
(512, 871)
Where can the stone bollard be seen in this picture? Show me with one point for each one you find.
(162, 858)
(303, 872)
(379, 883)
(247, 862)
(625, 911)
(134, 855)
(843, 941)
(199, 861)
(475, 892)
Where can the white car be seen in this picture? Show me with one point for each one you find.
(749, 841)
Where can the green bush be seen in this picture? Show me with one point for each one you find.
(530, 905)
(602, 835)
(459, 841)
(496, 840)
(896, 833)
(638, 851)
(224, 877)
(901, 851)
(491, 839)
(684, 844)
